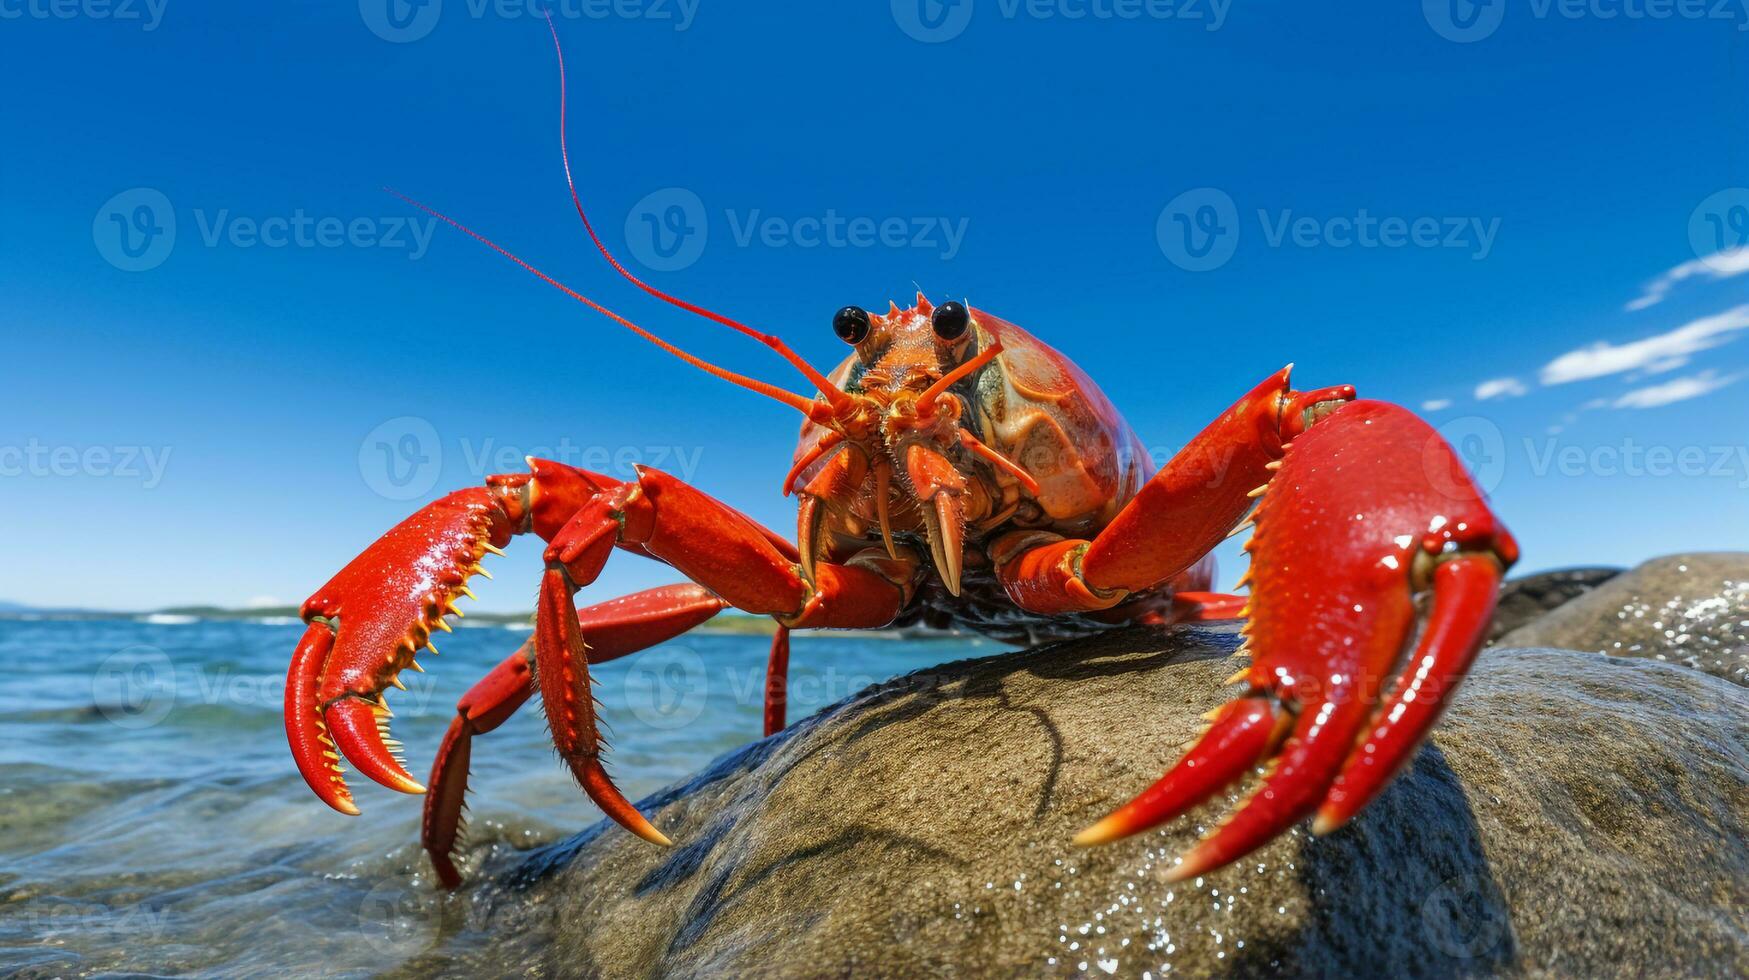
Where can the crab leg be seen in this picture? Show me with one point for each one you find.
(1203, 492)
(1178, 516)
(368, 622)
(777, 682)
(614, 629)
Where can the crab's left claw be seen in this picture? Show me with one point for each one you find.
(1366, 508)
(365, 626)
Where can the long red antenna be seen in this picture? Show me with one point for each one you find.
(836, 398)
(802, 404)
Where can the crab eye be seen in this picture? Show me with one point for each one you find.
(950, 320)
(851, 324)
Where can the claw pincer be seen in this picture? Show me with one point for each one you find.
(367, 624)
(1367, 507)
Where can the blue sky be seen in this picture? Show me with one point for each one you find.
(1518, 199)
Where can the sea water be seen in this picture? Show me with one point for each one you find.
(151, 820)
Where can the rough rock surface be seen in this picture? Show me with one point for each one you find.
(1686, 609)
(1527, 599)
(1573, 815)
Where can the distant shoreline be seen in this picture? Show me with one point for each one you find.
(726, 624)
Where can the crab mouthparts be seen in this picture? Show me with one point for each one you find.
(945, 521)
(938, 485)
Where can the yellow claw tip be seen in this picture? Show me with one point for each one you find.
(1103, 832)
(647, 831)
(1180, 872)
(1325, 823)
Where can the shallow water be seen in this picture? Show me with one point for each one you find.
(151, 820)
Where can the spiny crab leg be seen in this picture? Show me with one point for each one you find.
(615, 629)
(1366, 508)
(368, 622)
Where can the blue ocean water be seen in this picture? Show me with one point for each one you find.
(151, 820)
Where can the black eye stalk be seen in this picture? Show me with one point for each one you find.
(950, 320)
(851, 324)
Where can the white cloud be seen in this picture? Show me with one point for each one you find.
(265, 602)
(1676, 390)
(1500, 388)
(1436, 404)
(1652, 355)
(1719, 265)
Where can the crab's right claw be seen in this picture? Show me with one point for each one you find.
(1369, 506)
(366, 625)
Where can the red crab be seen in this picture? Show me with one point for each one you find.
(956, 471)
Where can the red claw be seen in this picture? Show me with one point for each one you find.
(1369, 505)
(367, 624)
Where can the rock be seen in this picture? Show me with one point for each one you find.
(1574, 814)
(1686, 609)
(1525, 600)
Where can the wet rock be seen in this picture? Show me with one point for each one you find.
(1574, 815)
(1527, 599)
(1685, 609)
